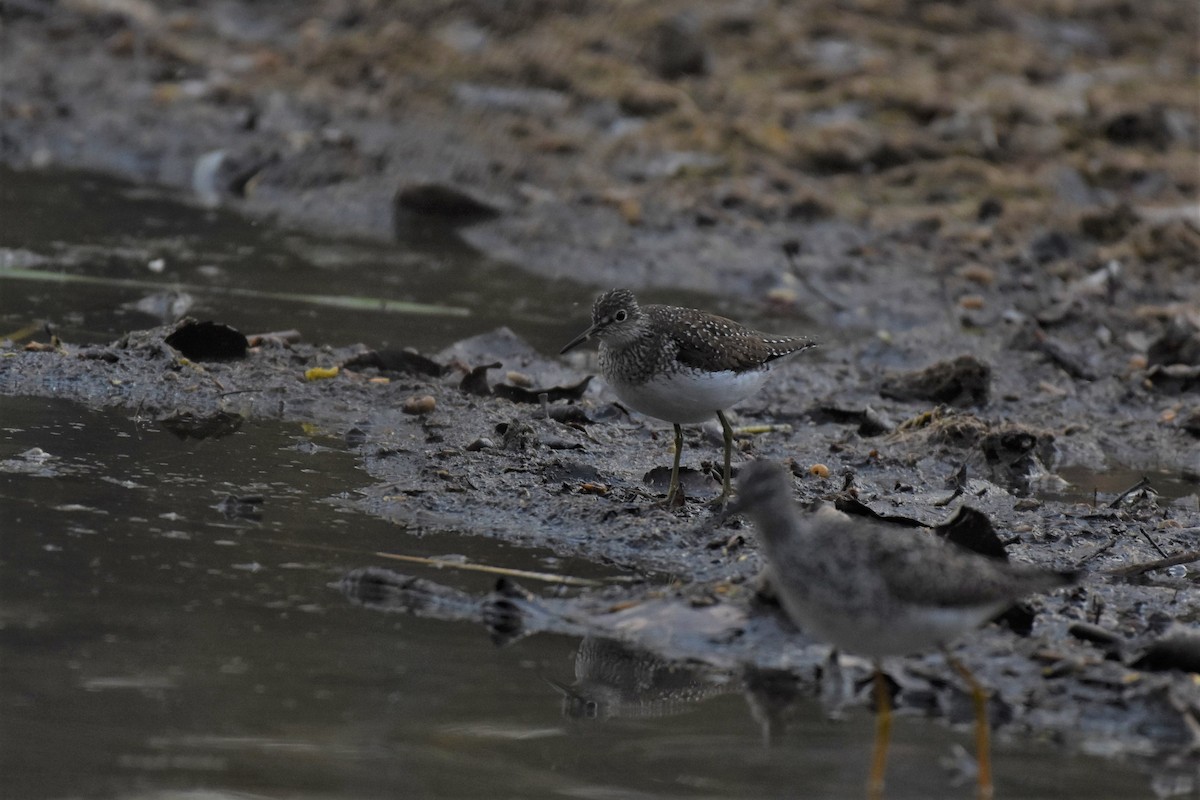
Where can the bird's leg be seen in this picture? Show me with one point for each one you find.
(982, 731)
(726, 490)
(883, 732)
(674, 488)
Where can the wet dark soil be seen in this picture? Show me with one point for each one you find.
(986, 212)
(1105, 667)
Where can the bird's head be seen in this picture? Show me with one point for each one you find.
(616, 318)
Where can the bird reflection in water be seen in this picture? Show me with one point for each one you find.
(615, 679)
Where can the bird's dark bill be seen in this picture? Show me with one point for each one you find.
(578, 340)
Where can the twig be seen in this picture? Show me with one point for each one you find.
(810, 282)
(546, 577)
(22, 333)
(290, 336)
(1162, 563)
(1100, 550)
(1137, 487)
(752, 430)
(1153, 543)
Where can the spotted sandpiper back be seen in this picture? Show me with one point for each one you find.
(876, 591)
(680, 364)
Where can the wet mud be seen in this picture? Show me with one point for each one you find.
(986, 213)
(1104, 667)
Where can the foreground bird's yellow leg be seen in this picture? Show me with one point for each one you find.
(726, 490)
(983, 743)
(883, 732)
(674, 488)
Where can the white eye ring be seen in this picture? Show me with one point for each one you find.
(621, 315)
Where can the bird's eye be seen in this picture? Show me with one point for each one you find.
(621, 315)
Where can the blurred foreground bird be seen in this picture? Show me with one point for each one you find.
(878, 591)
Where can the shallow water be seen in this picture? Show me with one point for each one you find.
(139, 242)
(152, 646)
(1107, 484)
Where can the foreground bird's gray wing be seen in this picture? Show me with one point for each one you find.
(921, 569)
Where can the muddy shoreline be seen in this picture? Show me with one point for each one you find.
(1105, 668)
(935, 144)
(1012, 184)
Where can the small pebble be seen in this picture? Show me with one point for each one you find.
(820, 470)
(971, 302)
(320, 373)
(631, 210)
(482, 443)
(519, 379)
(783, 296)
(977, 273)
(419, 405)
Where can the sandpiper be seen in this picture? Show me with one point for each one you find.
(878, 591)
(680, 364)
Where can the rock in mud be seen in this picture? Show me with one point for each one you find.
(963, 381)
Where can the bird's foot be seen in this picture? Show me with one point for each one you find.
(721, 501)
(675, 497)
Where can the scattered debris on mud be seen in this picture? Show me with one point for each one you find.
(1104, 666)
(987, 212)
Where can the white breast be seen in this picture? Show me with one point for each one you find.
(896, 630)
(688, 396)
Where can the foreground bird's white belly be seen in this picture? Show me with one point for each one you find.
(688, 395)
(903, 631)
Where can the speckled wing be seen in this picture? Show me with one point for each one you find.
(711, 342)
(924, 571)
